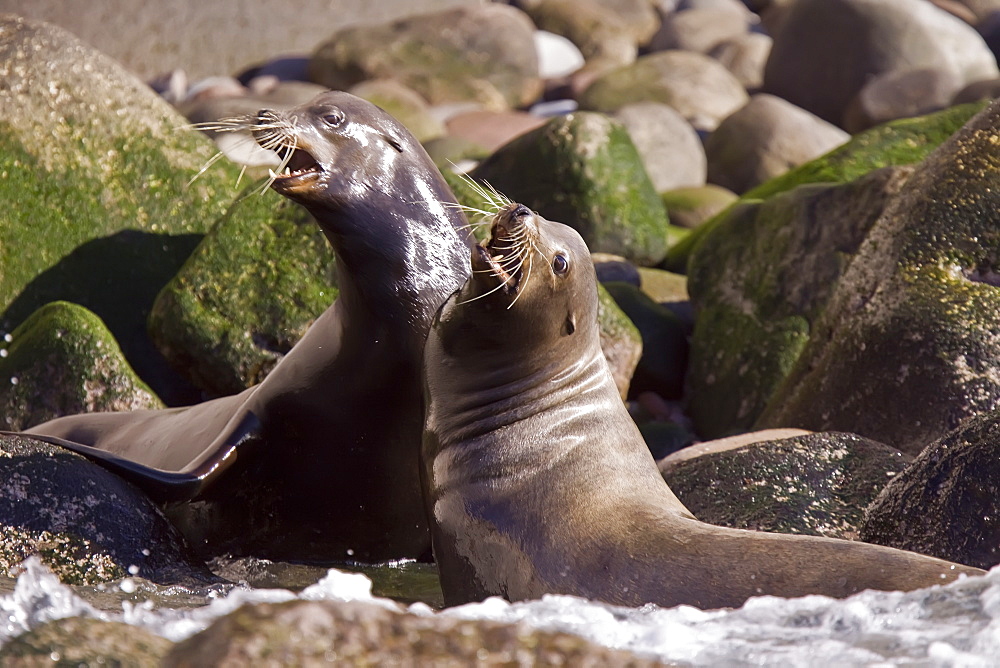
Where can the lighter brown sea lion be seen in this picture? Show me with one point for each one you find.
(537, 481)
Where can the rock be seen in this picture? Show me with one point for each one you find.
(734, 6)
(364, 633)
(85, 523)
(583, 170)
(447, 152)
(671, 150)
(557, 56)
(901, 94)
(405, 105)
(615, 269)
(916, 309)
(690, 207)
(766, 138)
(484, 53)
(664, 438)
(945, 503)
(492, 129)
(745, 56)
(60, 361)
(699, 30)
(697, 86)
(601, 35)
(902, 142)
(83, 641)
(664, 342)
(621, 341)
(206, 38)
(978, 92)
(813, 484)
(663, 286)
(236, 308)
(826, 50)
(759, 282)
(98, 207)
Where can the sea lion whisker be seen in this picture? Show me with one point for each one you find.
(524, 283)
(211, 161)
(285, 159)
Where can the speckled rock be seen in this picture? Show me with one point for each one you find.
(405, 104)
(901, 94)
(697, 86)
(583, 170)
(765, 138)
(671, 149)
(902, 142)
(86, 524)
(690, 207)
(361, 633)
(664, 342)
(826, 50)
(601, 35)
(945, 503)
(759, 282)
(236, 308)
(621, 341)
(484, 53)
(63, 360)
(83, 641)
(916, 309)
(94, 171)
(815, 484)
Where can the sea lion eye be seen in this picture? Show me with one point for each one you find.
(560, 265)
(334, 118)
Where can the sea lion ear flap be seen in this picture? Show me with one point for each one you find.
(570, 325)
(393, 143)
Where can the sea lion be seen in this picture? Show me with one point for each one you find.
(537, 481)
(320, 461)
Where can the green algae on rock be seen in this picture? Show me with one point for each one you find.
(246, 295)
(583, 170)
(759, 282)
(903, 142)
(815, 484)
(483, 53)
(621, 342)
(63, 360)
(909, 342)
(94, 171)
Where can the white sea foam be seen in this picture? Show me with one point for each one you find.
(953, 625)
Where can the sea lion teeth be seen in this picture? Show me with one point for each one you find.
(537, 480)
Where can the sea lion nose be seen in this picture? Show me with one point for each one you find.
(521, 210)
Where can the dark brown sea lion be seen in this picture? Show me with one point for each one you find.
(321, 460)
(537, 480)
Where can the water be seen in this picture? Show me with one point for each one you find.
(953, 625)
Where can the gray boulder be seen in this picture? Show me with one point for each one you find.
(826, 50)
(670, 148)
(699, 30)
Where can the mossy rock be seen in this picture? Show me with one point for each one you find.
(664, 342)
(63, 360)
(621, 341)
(817, 484)
(663, 286)
(246, 295)
(84, 641)
(690, 207)
(760, 281)
(902, 142)
(482, 53)
(908, 345)
(583, 170)
(94, 186)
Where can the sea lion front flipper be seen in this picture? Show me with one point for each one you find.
(165, 486)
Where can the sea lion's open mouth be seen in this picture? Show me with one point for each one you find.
(505, 255)
(297, 165)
